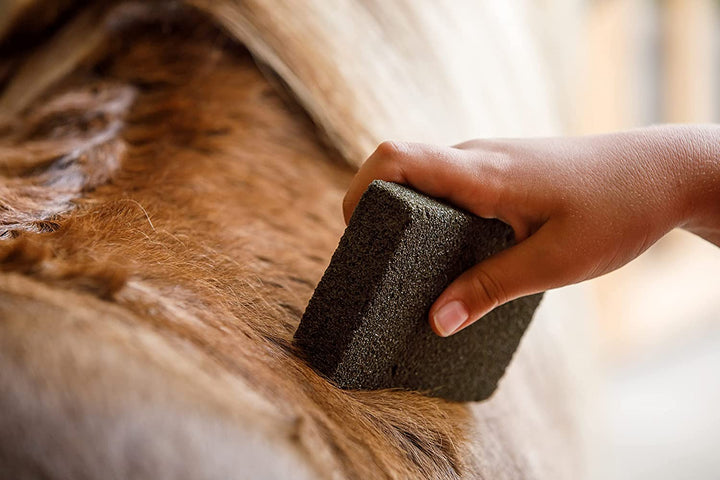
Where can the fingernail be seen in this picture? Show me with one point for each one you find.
(450, 317)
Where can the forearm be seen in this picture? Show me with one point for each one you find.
(580, 207)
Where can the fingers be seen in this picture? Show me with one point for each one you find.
(532, 266)
(441, 172)
(486, 182)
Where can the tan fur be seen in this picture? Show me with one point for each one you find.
(146, 331)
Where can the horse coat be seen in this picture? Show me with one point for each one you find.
(170, 194)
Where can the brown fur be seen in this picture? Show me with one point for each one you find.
(170, 216)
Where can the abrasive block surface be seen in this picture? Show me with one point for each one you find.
(366, 326)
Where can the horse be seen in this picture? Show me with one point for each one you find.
(171, 183)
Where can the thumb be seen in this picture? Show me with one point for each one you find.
(533, 265)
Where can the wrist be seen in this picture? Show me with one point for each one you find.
(699, 150)
(658, 175)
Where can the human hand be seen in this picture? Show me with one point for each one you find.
(579, 206)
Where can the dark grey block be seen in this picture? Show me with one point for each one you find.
(366, 326)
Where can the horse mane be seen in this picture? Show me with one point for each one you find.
(409, 70)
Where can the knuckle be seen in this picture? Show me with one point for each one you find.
(486, 289)
(391, 150)
(474, 144)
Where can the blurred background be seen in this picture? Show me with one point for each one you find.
(622, 64)
(646, 62)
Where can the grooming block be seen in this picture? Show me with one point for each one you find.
(366, 326)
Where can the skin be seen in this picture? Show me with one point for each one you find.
(580, 207)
